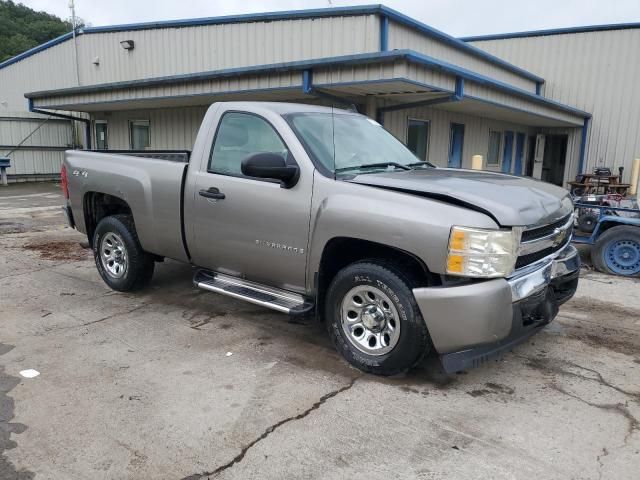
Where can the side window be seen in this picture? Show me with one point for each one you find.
(418, 138)
(493, 154)
(139, 134)
(240, 135)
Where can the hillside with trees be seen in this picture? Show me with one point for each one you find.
(22, 28)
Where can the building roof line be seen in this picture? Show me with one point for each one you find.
(300, 65)
(377, 9)
(552, 31)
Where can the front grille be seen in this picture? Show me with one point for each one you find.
(543, 231)
(524, 260)
(539, 242)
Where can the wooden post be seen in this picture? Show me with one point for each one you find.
(3, 173)
(635, 176)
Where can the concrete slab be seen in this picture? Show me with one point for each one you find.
(140, 385)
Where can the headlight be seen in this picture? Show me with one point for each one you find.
(477, 252)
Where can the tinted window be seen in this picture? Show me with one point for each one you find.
(139, 133)
(417, 138)
(493, 155)
(239, 136)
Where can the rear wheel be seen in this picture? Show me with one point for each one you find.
(617, 251)
(374, 320)
(120, 259)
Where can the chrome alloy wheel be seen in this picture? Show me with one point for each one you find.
(113, 255)
(370, 320)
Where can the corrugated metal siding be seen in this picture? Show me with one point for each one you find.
(207, 87)
(41, 153)
(476, 132)
(169, 51)
(503, 98)
(594, 71)
(401, 37)
(53, 68)
(170, 128)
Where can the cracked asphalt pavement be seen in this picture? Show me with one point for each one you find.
(141, 386)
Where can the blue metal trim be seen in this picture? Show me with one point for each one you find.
(384, 33)
(244, 18)
(507, 152)
(538, 88)
(552, 31)
(307, 81)
(583, 145)
(459, 93)
(363, 58)
(87, 122)
(384, 12)
(514, 109)
(455, 42)
(34, 50)
(292, 89)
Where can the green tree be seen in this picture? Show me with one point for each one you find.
(22, 28)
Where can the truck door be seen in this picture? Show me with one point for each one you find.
(255, 229)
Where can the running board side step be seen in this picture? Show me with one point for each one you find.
(252, 292)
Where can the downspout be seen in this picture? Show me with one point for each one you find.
(583, 145)
(458, 95)
(86, 121)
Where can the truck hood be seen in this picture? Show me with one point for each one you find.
(510, 200)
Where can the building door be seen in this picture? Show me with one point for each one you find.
(531, 156)
(508, 152)
(554, 159)
(519, 153)
(455, 145)
(102, 135)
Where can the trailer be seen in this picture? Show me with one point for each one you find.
(614, 240)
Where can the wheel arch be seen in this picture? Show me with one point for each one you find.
(342, 251)
(98, 205)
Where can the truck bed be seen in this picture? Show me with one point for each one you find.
(150, 182)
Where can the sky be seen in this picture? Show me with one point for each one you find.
(456, 17)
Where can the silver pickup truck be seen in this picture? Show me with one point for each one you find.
(307, 209)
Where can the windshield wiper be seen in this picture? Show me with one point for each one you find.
(374, 165)
(420, 164)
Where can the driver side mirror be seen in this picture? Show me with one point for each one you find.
(270, 165)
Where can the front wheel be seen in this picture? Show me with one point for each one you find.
(120, 259)
(374, 320)
(617, 251)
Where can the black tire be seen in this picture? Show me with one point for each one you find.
(139, 264)
(413, 341)
(602, 250)
(587, 222)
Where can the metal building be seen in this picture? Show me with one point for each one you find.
(593, 68)
(148, 85)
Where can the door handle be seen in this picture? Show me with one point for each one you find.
(213, 192)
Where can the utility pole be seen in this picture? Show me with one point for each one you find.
(72, 7)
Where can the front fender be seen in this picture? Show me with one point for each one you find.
(417, 225)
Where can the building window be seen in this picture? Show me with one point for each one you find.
(139, 134)
(102, 135)
(418, 138)
(493, 155)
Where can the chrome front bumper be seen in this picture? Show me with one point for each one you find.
(534, 278)
(486, 313)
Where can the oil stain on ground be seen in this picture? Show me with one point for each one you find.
(8, 383)
(59, 250)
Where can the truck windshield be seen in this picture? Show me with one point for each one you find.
(347, 144)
